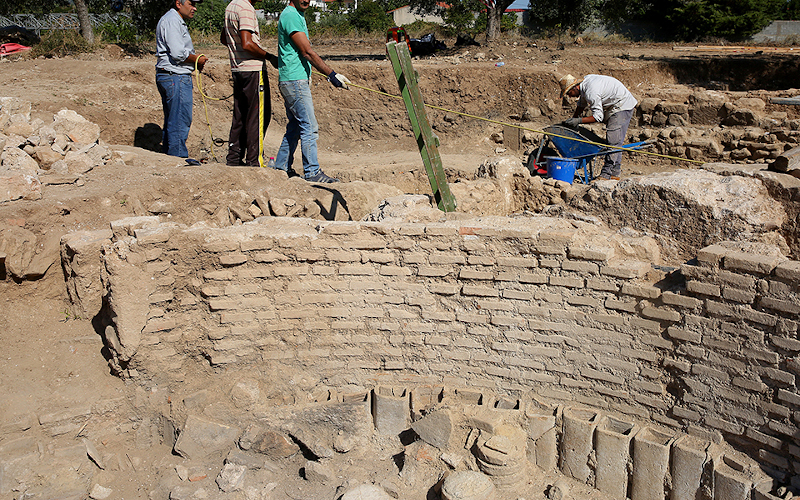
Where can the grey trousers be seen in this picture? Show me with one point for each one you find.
(616, 130)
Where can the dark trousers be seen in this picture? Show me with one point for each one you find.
(251, 115)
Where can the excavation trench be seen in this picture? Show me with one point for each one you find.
(626, 339)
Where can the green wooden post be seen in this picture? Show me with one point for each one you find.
(426, 140)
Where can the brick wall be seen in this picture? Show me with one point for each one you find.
(547, 307)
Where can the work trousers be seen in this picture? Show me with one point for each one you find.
(251, 116)
(302, 126)
(176, 100)
(616, 130)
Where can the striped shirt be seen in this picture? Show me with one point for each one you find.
(241, 15)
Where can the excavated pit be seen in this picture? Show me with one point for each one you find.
(620, 340)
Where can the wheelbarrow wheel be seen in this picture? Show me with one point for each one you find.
(536, 163)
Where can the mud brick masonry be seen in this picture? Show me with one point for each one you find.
(561, 310)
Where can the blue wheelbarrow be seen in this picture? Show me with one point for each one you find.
(575, 154)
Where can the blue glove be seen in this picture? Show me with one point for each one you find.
(339, 81)
(572, 122)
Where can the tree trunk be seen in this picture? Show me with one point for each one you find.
(84, 21)
(492, 24)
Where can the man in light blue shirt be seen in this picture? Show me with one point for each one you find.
(174, 65)
(295, 58)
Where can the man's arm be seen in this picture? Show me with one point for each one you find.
(304, 48)
(251, 46)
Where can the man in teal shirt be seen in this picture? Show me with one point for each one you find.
(295, 58)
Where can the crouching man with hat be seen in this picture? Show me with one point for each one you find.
(608, 102)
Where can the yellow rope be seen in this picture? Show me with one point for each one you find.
(205, 106)
(525, 128)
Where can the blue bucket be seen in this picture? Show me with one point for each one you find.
(561, 169)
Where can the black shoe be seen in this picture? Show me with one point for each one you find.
(322, 178)
(192, 162)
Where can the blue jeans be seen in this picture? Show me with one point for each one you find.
(616, 129)
(176, 99)
(302, 126)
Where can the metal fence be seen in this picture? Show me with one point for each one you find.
(50, 22)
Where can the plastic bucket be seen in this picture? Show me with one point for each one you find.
(561, 169)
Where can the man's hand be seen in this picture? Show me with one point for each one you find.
(272, 59)
(338, 80)
(201, 61)
(572, 122)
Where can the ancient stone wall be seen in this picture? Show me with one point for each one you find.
(568, 311)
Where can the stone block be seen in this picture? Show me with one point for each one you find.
(435, 428)
(689, 462)
(612, 454)
(729, 484)
(577, 443)
(391, 410)
(201, 437)
(650, 464)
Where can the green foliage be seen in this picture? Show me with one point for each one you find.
(507, 24)
(273, 6)
(210, 16)
(60, 43)
(460, 17)
(8, 7)
(370, 17)
(121, 31)
(561, 16)
(729, 19)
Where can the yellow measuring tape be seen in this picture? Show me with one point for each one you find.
(205, 106)
(620, 148)
(394, 96)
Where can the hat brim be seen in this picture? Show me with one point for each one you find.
(575, 84)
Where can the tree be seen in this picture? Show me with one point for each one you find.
(494, 12)
(84, 21)
(729, 19)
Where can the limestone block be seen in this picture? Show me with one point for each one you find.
(84, 133)
(366, 492)
(16, 160)
(740, 117)
(231, 477)
(78, 163)
(706, 107)
(577, 443)
(45, 156)
(542, 435)
(128, 226)
(650, 464)
(754, 103)
(317, 472)
(670, 108)
(689, 460)
(435, 428)
(729, 484)
(17, 186)
(612, 450)
(648, 105)
(14, 105)
(127, 287)
(18, 124)
(468, 485)
(19, 246)
(274, 445)
(47, 135)
(391, 410)
(201, 437)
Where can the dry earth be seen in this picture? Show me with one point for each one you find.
(53, 361)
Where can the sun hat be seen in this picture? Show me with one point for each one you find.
(567, 82)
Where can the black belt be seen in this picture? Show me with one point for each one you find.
(168, 72)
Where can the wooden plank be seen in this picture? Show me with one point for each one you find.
(426, 139)
(788, 160)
